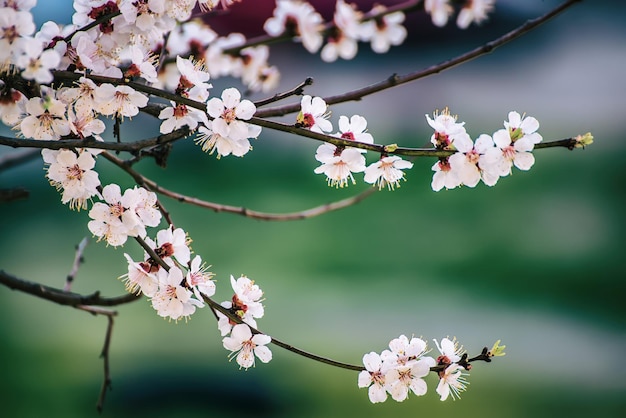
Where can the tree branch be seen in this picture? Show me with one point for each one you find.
(59, 296)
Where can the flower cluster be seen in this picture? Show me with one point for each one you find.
(400, 370)
(339, 162)
(486, 159)
(472, 11)
(350, 26)
(247, 307)
(176, 288)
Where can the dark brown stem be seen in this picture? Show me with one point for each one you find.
(78, 259)
(106, 382)
(296, 91)
(59, 296)
(216, 306)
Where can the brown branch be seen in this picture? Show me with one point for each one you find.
(106, 382)
(59, 296)
(9, 195)
(78, 259)
(296, 91)
(265, 216)
(396, 80)
(92, 143)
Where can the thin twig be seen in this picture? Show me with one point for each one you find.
(78, 259)
(397, 80)
(92, 143)
(106, 382)
(265, 216)
(296, 91)
(216, 306)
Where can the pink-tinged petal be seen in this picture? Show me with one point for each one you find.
(344, 124)
(514, 119)
(524, 160)
(443, 389)
(524, 144)
(529, 125)
(86, 161)
(322, 125)
(245, 358)
(231, 343)
(418, 387)
(238, 130)
(231, 97)
(463, 143)
(535, 138)
(215, 107)
(112, 193)
(364, 379)
(372, 361)
(263, 353)
(377, 394)
(483, 143)
(318, 106)
(241, 332)
(402, 164)
(261, 339)
(245, 110)
(501, 138)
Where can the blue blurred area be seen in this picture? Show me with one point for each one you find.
(535, 261)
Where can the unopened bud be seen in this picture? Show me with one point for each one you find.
(497, 350)
(583, 140)
(391, 147)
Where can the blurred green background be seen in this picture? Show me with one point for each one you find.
(535, 261)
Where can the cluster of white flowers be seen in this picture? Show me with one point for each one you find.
(401, 369)
(487, 159)
(299, 19)
(472, 11)
(245, 305)
(176, 291)
(338, 162)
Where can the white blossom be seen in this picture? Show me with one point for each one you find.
(246, 346)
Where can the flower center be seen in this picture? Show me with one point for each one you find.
(75, 172)
(509, 152)
(229, 115)
(117, 210)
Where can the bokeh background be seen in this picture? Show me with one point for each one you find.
(536, 261)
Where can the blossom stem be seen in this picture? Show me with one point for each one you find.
(216, 306)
